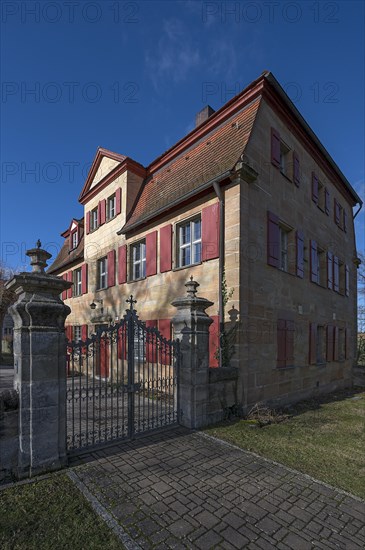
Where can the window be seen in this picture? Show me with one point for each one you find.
(139, 344)
(77, 280)
(321, 196)
(76, 333)
(94, 219)
(320, 345)
(318, 265)
(189, 243)
(102, 273)
(110, 207)
(283, 249)
(74, 239)
(138, 260)
(285, 164)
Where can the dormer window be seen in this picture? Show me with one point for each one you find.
(74, 239)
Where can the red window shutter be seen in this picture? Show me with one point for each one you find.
(314, 188)
(84, 281)
(330, 270)
(337, 212)
(111, 268)
(151, 344)
(64, 293)
(99, 213)
(296, 169)
(281, 346)
(313, 261)
(347, 280)
(88, 214)
(327, 201)
(166, 248)
(102, 206)
(151, 254)
(84, 333)
(312, 344)
(336, 274)
(345, 221)
(69, 332)
(69, 292)
(210, 232)
(164, 326)
(214, 342)
(329, 343)
(275, 147)
(273, 237)
(122, 264)
(118, 201)
(335, 343)
(300, 254)
(289, 342)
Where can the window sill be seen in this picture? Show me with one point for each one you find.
(186, 266)
(93, 230)
(136, 280)
(321, 364)
(110, 219)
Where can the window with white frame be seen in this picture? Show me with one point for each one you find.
(189, 242)
(76, 330)
(110, 207)
(138, 260)
(94, 219)
(139, 344)
(74, 239)
(102, 273)
(77, 280)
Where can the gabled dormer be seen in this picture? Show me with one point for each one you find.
(74, 233)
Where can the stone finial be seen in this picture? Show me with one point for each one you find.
(38, 258)
(192, 287)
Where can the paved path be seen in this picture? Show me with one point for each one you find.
(185, 490)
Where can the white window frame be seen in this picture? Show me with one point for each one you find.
(102, 273)
(74, 239)
(93, 219)
(78, 282)
(111, 207)
(188, 245)
(138, 266)
(76, 333)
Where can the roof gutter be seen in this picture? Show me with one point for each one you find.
(176, 202)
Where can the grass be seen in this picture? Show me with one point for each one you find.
(51, 513)
(323, 438)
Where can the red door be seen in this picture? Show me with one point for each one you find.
(102, 359)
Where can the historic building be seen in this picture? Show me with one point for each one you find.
(252, 206)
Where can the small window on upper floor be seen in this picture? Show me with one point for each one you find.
(74, 239)
(188, 242)
(94, 219)
(76, 333)
(77, 280)
(138, 260)
(102, 273)
(285, 160)
(111, 207)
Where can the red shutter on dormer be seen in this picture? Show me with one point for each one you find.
(326, 201)
(275, 147)
(273, 237)
(214, 341)
(210, 232)
(64, 293)
(329, 343)
(102, 206)
(151, 344)
(345, 221)
(312, 343)
(166, 248)
(118, 201)
(69, 277)
(347, 280)
(336, 274)
(84, 281)
(122, 264)
(300, 254)
(296, 169)
(111, 268)
(314, 188)
(337, 212)
(335, 343)
(313, 261)
(330, 270)
(88, 214)
(151, 254)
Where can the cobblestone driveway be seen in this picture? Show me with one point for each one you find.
(186, 490)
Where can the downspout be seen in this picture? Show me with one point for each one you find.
(356, 213)
(218, 192)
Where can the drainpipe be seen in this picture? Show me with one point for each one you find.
(356, 213)
(218, 192)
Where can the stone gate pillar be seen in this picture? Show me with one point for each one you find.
(40, 366)
(191, 326)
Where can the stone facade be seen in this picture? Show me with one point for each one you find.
(294, 336)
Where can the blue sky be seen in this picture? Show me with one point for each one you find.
(130, 76)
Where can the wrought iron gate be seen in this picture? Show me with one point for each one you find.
(121, 382)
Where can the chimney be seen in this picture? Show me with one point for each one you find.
(203, 115)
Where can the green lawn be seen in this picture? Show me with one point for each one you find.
(327, 442)
(51, 513)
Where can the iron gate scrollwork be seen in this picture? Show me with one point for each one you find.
(121, 382)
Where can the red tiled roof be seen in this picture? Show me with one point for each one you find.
(66, 256)
(215, 153)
